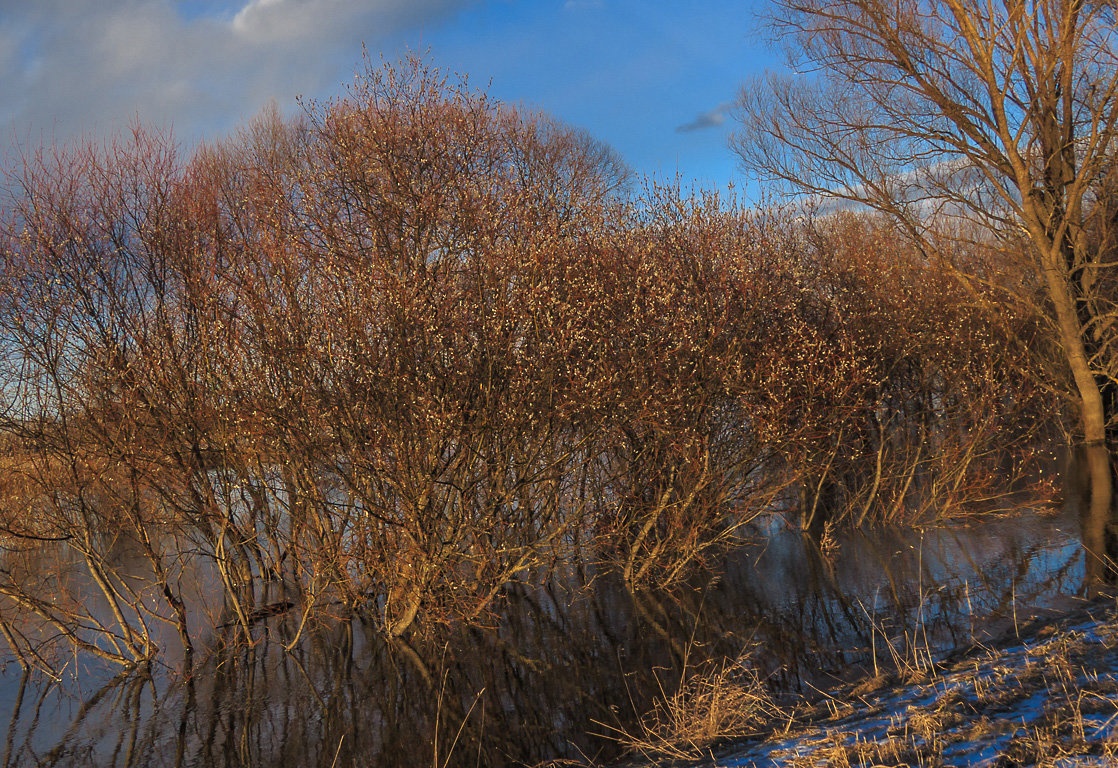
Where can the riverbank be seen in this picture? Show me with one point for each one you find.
(1044, 693)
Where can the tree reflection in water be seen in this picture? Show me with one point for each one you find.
(1088, 482)
(561, 666)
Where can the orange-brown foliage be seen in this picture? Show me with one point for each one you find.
(415, 345)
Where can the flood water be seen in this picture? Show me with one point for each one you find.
(563, 665)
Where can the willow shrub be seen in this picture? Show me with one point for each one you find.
(415, 345)
(959, 400)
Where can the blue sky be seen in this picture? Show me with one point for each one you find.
(653, 78)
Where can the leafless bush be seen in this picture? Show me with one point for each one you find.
(415, 345)
(957, 390)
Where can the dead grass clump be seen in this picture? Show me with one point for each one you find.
(728, 703)
(873, 684)
(931, 723)
(890, 753)
(896, 752)
(980, 729)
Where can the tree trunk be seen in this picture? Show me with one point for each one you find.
(1092, 410)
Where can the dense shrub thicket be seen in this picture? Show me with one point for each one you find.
(415, 345)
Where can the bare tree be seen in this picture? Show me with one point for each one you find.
(1001, 113)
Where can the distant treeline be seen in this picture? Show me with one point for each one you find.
(414, 345)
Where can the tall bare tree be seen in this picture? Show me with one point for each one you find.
(999, 112)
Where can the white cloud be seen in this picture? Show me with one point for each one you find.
(79, 67)
(277, 19)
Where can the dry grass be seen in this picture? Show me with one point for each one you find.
(726, 703)
(1052, 703)
(867, 754)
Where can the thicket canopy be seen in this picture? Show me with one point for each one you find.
(1002, 113)
(414, 346)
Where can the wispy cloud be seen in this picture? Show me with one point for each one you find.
(709, 119)
(79, 67)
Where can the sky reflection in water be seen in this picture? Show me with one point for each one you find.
(563, 664)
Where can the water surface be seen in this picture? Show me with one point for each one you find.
(562, 665)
